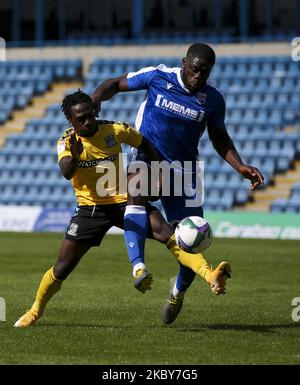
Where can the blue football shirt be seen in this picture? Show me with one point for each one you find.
(172, 118)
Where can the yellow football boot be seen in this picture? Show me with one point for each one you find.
(217, 278)
(28, 319)
(143, 280)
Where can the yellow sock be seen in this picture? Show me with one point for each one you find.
(196, 262)
(48, 287)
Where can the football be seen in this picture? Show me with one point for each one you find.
(193, 234)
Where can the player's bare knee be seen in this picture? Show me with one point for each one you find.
(163, 232)
(61, 270)
(63, 267)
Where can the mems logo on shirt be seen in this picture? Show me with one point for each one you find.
(179, 109)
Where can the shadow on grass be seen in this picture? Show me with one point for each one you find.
(83, 325)
(269, 328)
(240, 327)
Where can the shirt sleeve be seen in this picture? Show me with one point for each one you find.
(128, 135)
(217, 117)
(63, 148)
(140, 80)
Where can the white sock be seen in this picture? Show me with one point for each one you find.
(135, 209)
(176, 292)
(138, 266)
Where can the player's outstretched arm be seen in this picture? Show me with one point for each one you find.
(108, 89)
(226, 149)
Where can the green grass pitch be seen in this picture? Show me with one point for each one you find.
(99, 318)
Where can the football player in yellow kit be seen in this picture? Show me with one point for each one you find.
(89, 146)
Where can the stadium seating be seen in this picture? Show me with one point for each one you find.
(291, 204)
(21, 80)
(160, 36)
(262, 95)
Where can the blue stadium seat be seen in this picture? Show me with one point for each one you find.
(279, 205)
(283, 163)
(241, 196)
(296, 187)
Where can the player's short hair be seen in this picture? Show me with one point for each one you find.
(73, 99)
(202, 51)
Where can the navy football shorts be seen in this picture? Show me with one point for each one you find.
(89, 224)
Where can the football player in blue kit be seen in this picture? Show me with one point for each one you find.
(179, 105)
